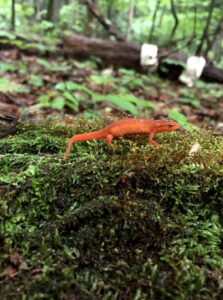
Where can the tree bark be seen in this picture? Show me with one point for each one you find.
(176, 20)
(111, 53)
(217, 31)
(130, 18)
(119, 54)
(106, 23)
(110, 5)
(36, 5)
(154, 20)
(13, 15)
(127, 55)
(53, 11)
(206, 28)
(90, 20)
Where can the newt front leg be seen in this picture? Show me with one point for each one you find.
(151, 141)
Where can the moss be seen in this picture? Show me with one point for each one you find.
(133, 222)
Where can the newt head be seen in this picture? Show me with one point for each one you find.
(165, 125)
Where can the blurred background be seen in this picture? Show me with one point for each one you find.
(51, 64)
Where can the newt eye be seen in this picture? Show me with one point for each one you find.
(170, 125)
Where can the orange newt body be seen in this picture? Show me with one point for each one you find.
(124, 127)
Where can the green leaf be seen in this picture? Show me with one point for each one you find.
(68, 252)
(23, 89)
(44, 63)
(181, 119)
(70, 97)
(41, 47)
(177, 116)
(44, 100)
(122, 103)
(193, 102)
(72, 101)
(35, 80)
(139, 102)
(127, 102)
(7, 67)
(61, 86)
(73, 106)
(100, 79)
(58, 103)
(52, 67)
(73, 86)
(7, 86)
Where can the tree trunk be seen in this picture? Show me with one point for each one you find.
(90, 20)
(176, 20)
(154, 20)
(53, 11)
(130, 18)
(13, 15)
(205, 32)
(36, 5)
(163, 10)
(110, 5)
(217, 31)
(103, 20)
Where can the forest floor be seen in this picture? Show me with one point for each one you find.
(30, 89)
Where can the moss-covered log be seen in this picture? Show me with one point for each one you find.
(133, 222)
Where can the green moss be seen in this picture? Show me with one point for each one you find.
(133, 222)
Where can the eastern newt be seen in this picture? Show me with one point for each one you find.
(123, 127)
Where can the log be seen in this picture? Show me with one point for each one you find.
(117, 54)
(127, 55)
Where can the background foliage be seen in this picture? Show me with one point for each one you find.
(194, 26)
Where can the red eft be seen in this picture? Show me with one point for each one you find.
(123, 127)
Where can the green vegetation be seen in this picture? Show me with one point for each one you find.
(132, 222)
(191, 26)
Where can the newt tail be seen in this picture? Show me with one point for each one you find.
(94, 135)
(123, 127)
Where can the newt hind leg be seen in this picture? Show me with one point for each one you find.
(71, 141)
(67, 151)
(109, 139)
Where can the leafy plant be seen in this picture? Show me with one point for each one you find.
(52, 67)
(35, 80)
(6, 34)
(181, 119)
(41, 47)
(101, 79)
(129, 79)
(7, 67)
(128, 102)
(8, 86)
(187, 96)
(22, 68)
(73, 86)
(71, 94)
(63, 96)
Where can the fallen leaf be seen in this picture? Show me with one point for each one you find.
(10, 271)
